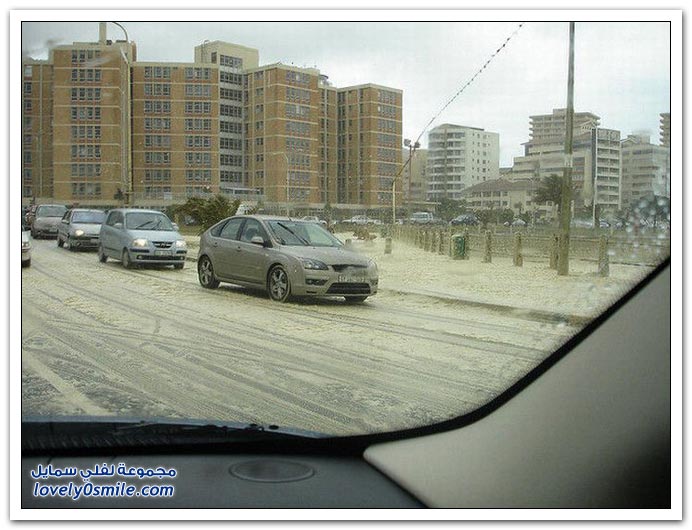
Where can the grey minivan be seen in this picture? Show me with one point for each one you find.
(138, 237)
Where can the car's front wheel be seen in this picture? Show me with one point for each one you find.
(279, 286)
(127, 261)
(60, 241)
(102, 255)
(205, 273)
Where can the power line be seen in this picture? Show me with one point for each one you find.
(461, 90)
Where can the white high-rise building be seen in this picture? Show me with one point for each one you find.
(459, 157)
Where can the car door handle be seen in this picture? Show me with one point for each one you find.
(238, 249)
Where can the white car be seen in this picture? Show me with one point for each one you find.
(315, 219)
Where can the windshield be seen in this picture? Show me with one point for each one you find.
(88, 217)
(457, 245)
(302, 234)
(50, 211)
(147, 221)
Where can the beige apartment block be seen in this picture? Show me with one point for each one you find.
(175, 140)
(645, 169)
(101, 128)
(369, 146)
(37, 132)
(595, 157)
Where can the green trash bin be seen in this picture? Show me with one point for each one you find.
(458, 246)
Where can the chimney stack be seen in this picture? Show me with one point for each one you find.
(102, 32)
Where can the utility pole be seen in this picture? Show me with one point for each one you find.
(566, 196)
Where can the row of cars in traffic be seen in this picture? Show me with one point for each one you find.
(287, 258)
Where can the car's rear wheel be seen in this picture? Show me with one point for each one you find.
(127, 261)
(102, 255)
(278, 285)
(355, 299)
(205, 273)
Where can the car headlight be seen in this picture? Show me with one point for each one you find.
(313, 264)
(180, 243)
(79, 233)
(140, 243)
(26, 245)
(372, 265)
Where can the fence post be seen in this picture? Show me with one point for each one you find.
(488, 256)
(518, 258)
(467, 241)
(388, 245)
(603, 260)
(554, 252)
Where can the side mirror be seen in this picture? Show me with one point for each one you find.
(118, 226)
(258, 240)
(65, 221)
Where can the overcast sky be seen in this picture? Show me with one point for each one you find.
(622, 69)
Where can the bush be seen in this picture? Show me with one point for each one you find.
(207, 212)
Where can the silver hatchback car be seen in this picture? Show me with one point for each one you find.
(286, 257)
(138, 237)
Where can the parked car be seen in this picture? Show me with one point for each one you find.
(137, 237)
(285, 257)
(46, 219)
(26, 248)
(518, 222)
(422, 218)
(315, 219)
(465, 219)
(80, 228)
(358, 220)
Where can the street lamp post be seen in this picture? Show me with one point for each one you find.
(412, 146)
(126, 129)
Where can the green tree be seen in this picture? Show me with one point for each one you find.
(448, 209)
(550, 189)
(207, 212)
(506, 215)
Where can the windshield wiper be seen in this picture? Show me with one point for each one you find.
(77, 433)
(302, 240)
(157, 221)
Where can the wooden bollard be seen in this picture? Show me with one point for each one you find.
(388, 245)
(518, 258)
(554, 244)
(603, 260)
(488, 255)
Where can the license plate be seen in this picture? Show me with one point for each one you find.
(94, 239)
(163, 253)
(350, 279)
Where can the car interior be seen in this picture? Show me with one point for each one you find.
(588, 428)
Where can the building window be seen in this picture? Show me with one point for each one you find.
(197, 73)
(198, 90)
(157, 123)
(157, 89)
(231, 62)
(157, 107)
